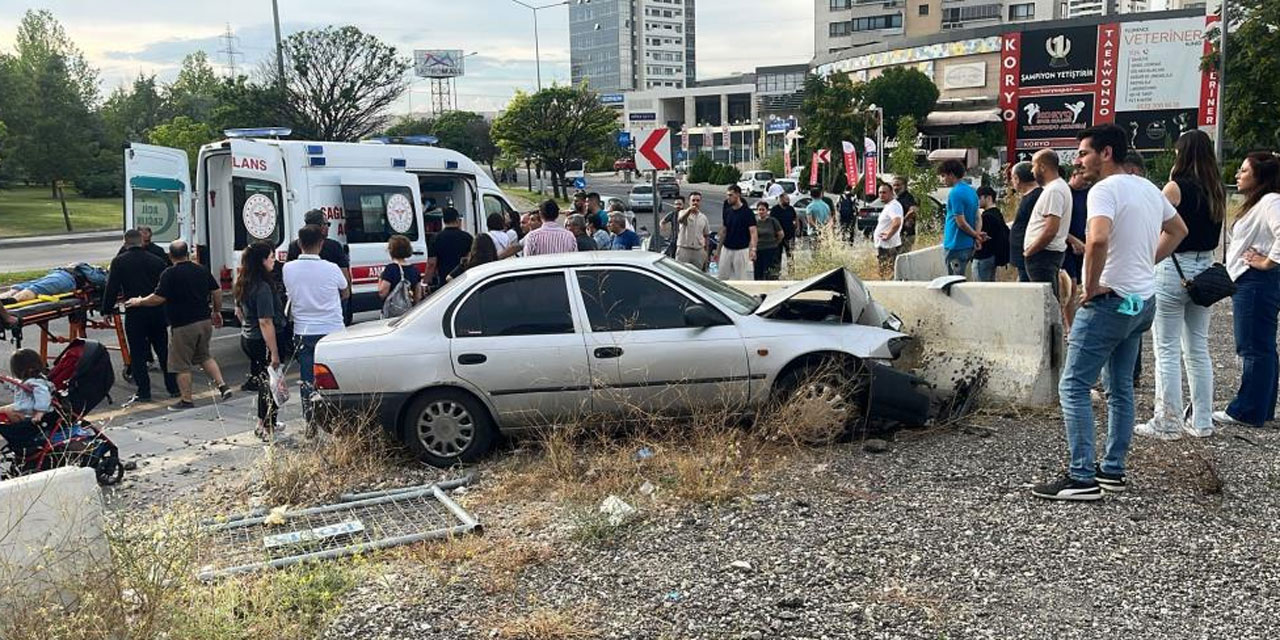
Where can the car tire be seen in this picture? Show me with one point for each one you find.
(444, 427)
(823, 401)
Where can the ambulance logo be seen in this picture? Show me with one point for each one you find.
(399, 213)
(259, 215)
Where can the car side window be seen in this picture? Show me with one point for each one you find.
(618, 300)
(522, 306)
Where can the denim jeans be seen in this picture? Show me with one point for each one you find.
(1181, 335)
(1019, 263)
(305, 353)
(55, 282)
(957, 261)
(984, 269)
(1043, 266)
(1255, 306)
(1101, 335)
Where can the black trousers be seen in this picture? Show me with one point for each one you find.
(146, 332)
(259, 364)
(766, 264)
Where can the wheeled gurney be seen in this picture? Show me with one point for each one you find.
(77, 307)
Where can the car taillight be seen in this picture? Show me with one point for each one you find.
(324, 378)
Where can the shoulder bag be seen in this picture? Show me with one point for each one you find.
(1209, 286)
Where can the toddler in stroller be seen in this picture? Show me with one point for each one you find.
(45, 426)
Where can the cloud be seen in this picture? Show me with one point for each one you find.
(152, 36)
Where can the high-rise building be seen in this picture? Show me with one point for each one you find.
(1078, 8)
(850, 24)
(624, 45)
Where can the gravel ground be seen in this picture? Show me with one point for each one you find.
(938, 537)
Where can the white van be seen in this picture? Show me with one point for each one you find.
(754, 183)
(255, 188)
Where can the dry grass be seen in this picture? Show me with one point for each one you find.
(545, 624)
(355, 452)
(1185, 464)
(493, 562)
(830, 250)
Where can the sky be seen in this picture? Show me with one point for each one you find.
(124, 38)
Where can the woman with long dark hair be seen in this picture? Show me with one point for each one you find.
(1181, 328)
(261, 313)
(1254, 263)
(483, 249)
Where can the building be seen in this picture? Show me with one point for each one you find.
(1081, 8)
(841, 25)
(632, 45)
(720, 118)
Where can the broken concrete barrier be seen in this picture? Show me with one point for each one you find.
(922, 264)
(1010, 331)
(51, 536)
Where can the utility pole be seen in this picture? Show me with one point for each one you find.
(275, 10)
(1222, 82)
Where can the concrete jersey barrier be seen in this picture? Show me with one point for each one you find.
(1012, 331)
(922, 264)
(51, 536)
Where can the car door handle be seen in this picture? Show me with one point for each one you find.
(608, 352)
(472, 358)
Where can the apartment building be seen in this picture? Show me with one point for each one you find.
(842, 25)
(633, 45)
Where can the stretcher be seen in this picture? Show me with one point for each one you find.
(76, 307)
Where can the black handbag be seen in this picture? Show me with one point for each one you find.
(1209, 286)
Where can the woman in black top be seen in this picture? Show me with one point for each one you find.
(1181, 328)
(482, 250)
(261, 314)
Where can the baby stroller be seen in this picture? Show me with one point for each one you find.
(82, 377)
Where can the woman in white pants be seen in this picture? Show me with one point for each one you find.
(1181, 328)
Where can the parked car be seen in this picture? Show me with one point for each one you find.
(641, 198)
(624, 164)
(668, 187)
(754, 183)
(541, 341)
(789, 187)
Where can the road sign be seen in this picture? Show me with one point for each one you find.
(642, 117)
(624, 139)
(611, 98)
(653, 152)
(580, 183)
(681, 155)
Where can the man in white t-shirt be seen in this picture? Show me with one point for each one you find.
(1045, 244)
(1131, 226)
(316, 290)
(888, 233)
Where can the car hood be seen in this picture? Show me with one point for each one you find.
(862, 307)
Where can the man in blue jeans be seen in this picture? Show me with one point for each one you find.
(962, 232)
(1129, 221)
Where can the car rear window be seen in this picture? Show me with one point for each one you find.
(642, 189)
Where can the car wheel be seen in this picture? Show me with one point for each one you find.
(444, 427)
(821, 402)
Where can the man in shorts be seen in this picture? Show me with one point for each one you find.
(186, 290)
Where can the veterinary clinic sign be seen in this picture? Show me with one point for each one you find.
(1142, 75)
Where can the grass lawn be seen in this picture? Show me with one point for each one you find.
(29, 211)
(530, 198)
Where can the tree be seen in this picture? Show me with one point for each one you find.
(1251, 100)
(921, 181)
(339, 83)
(467, 133)
(833, 113)
(410, 126)
(901, 91)
(129, 113)
(556, 126)
(195, 91)
(184, 133)
(239, 102)
(40, 38)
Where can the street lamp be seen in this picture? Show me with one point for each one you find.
(537, 52)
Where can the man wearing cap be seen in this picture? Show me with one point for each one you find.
(332, 251)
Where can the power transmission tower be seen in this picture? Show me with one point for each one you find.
(229, 49)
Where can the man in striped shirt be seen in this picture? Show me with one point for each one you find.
(551, 237)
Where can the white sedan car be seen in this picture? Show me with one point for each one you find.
(641, 198)
(530, 342)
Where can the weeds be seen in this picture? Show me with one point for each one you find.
(545, 624)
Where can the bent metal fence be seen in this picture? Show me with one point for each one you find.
(357, 524)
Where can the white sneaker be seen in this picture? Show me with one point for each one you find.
(1150, 430)
(1225, 418)
(1196, 433)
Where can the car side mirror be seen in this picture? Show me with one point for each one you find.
(700, 316)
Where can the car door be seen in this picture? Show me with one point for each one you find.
(514, 338)
(643, 354)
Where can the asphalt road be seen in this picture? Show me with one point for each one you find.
(28, 258)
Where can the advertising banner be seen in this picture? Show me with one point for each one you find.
(870, 165)
(1156, 61)
(1158, 129)
(1055, 117)
(1059, 57)
(850, 163)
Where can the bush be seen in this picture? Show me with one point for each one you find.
(700, 169)
(726, 174)
(100, 185)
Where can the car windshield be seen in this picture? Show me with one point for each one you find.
(789, 187)
(642, 189)
(764, 176)
(726, 295)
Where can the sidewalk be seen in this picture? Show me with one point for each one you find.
(41, 241)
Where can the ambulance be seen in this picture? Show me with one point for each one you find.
(256, 186)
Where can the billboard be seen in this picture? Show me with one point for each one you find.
(437, 63)
(1142, 75)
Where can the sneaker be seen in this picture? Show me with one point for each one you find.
(1194, 432)
(1068, 488)
(225, 392)
(1110, 482)
(1150, 430)
(1223, 417)
(182, 405)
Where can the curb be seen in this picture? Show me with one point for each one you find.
(66, 238)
